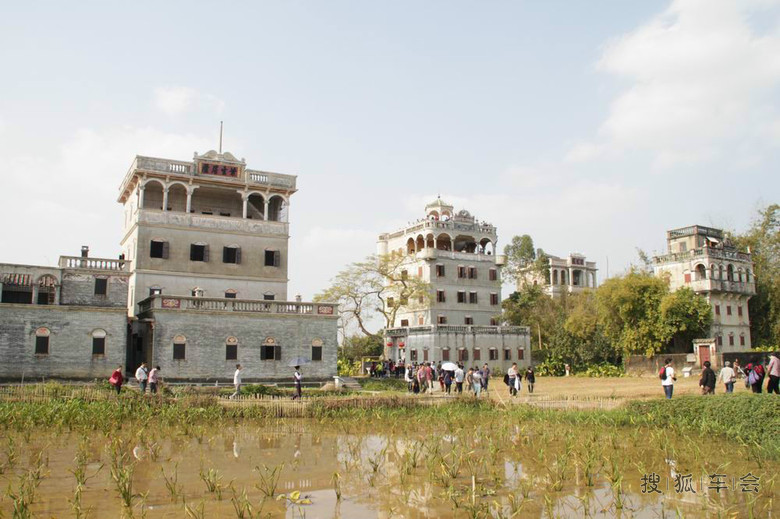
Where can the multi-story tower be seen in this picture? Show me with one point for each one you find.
(456, 255)
(209, 228)
(572, 275)
(702, 259)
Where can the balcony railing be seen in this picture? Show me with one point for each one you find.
(271, 179)
(456, 328)
(704, 252)
(722, 285)
(77, 262)
(430, 253)
(205, 304)
(215, 222)
(450, 226)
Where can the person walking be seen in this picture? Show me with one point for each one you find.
(530, 379)
(728, 377)
(667, 378)
(476, 381)
(755, 375)
(236, 381)
(512, 380)
(408, 378)
(154, 376)
(297, 380)
(447, 381)
(470, 380)
(141, 375)
(429, 378)
(117, 379)
(773, 369)
(707, 379)
(485, 377)
(459, 376)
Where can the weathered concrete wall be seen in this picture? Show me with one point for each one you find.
(78, 288)
(70, 342)
(206, 335)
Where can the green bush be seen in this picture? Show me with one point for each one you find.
(602, 370)
(382, 384)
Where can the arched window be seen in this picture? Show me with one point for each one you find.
(197, 292)
(747, 275)
(231, 348)
(98, 342)
(179, 347)
(739, 275)
(701, 272)
(42, 335)
(720, 272)
(730, 272)
(555, 277)
(316, 350)
(270, 350)
(230, 293)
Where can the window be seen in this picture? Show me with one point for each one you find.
(197, 292)
(720, 340)
(101, 286)
(731, 339)
(98, 342)
(425, 355)
(230, 294)
(231, 351)
(273, 258)
(520, 353)
(231, 254)
(472, 272)
(179, 350)
(419, 272)
(42, 341)
(493, 275)
(742, 339)
(468, 320)
(728, 309)
(439, 271)
(442, 319)
(413, 355)
(316, 353)
(461, 296)
(404, 322)
(390, 302)
(717, 309)
(268, 297)
(507, 354)
(461, 271)
(199, 252)
(445, 354)
(493, 354)
(687, 277)
(440, 297)
(476, 354)
(473, 298)
(494, 299)
(420, 320)
(158, 249)
(270, 352)
(421, 299)
(404, 300)
(739, 311)
(463, 354)
(493, 321)
(154, 291)
(404, 274)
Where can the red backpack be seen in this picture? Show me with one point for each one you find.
(662, 373)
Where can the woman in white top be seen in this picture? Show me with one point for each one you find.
(668, 378)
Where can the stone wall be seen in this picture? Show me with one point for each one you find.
(206, 335)
(70, 341)
(78, 288)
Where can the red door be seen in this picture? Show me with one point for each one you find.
(704, 354)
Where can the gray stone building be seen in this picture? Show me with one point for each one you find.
(200, 286)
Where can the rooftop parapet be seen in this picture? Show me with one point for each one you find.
(206, 304)
(454, 328)
(701, 253)
(104, 264)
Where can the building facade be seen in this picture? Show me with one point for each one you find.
(569, 275)
(702, 259)
(201, 283)
(456, 254)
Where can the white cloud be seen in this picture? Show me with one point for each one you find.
(177, 100)
(699, 75)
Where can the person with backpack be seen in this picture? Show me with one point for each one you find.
(667, 378)
(447, 381)
(755, 378)
(707, 380)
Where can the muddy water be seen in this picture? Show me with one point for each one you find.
(383, 470)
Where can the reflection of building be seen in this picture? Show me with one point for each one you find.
(455, 253)
(572, 274)
(701, 259)
(202, 282)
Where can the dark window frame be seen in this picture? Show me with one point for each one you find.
(41, 345)
(270, 352)
(316, 353)
(101, 286)
(98, 346)
(179, 351)
(199, 252)
(158, 251)
(272, 258)
(231, 351)
(231, 255)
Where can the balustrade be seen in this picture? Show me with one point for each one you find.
(78, 262)
(165, 302)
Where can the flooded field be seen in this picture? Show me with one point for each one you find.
(473, 466)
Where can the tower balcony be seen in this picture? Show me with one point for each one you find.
(722, 285)
(211, 222)
(252, 306)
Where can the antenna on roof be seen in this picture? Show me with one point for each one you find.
(220, 137)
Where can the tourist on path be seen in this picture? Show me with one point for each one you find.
(408, 373)
(297, 379)
(476, 381)
(668, 378)
(447, 381)
(728, 377)
(154, 376)
(459, 376)
(470, 380)
(429, 378)
(707, 380)
(512, 381)
(530, 378)
(738, 371)
(774, 374)
(117, 379)
(141, 376)
(755, 375)
(237, 381)
(485, 377)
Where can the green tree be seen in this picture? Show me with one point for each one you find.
(687, 316)
(356, 347)
(531, 307)
(519, 254)
(378, 285)
(763, 241)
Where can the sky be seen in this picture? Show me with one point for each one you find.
(592, 126)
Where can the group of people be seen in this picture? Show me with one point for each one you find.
(420, 378)
(754, 374)
(144, 377)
